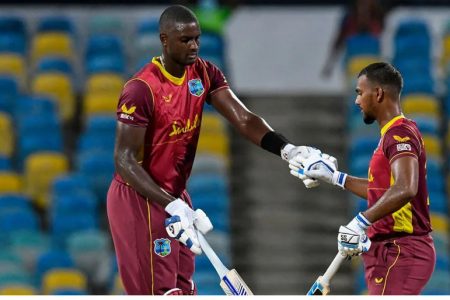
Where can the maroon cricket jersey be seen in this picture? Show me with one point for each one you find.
(170, 108)
(399, 137)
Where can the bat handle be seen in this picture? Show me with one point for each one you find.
(332, 268)
(212, 256)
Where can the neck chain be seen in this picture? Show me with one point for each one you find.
(161, 58)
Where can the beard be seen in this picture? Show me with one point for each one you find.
(368, 119)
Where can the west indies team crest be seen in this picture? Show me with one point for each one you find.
(196, 87)
(162, 247)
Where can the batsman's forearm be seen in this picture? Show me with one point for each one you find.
(357, 186)
(253, 128)
(130, 170)
(395, 198)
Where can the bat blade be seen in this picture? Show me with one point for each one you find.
(318, 288)
(233, 284)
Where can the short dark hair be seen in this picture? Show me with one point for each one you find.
(176, 14)
(384, 74)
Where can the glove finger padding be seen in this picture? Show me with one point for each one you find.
(176, 230)
(332, 159)
(202, 222)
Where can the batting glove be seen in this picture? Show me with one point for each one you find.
(352, 238)
(181, 224)
(289, 151)
(322, 167)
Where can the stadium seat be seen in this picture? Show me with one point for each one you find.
(52, 259)
(64, 226)
(357, 63)
(59, 279)
(103, 44)
(13, 24)
(412, 27)
(420, 105)
(117, 286)
(5, 163)
(17, 290)
(101, 124)
(98, 169)
(54, 64)
(432, 146)
(426, 124)
(74, 203)
(417, 46)
(12, 43)
(14, 201)
(97, 142)
(18, 220)
(106, 24)
(109, 83)
(36, 142)
(60, 88)
(18, 277)
(10, 182)
(29, 245)
(439, 222)
(217, 144)
(28, 107)
(6, 135)
(70, 183)
(89, 250)
(362, 45)
(213, 123)
(52, 44)
(40, 170)
(9, 87)
(111, 63)
(13, 64)
(100, 104)
(209, 164)
(55, 23)
(415, 84)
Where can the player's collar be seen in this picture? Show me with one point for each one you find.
(173, 79)
(389, 124)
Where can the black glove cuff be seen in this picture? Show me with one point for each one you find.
(273, 142)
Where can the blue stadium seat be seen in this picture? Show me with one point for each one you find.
(97, 142)
(38, 124)
(12, 42)
(103, 44)
(52, 259)
(211, 44)
(438, 202)
(208, 183)
(69, 292)
(418, 85)
(55, 64)
(362, 44)
(363, 145)
(17, 277)
(359, 164)
(17, 220)
(413, 27)
(56, 23)
(9, 92)
(427, 125)
(13, 24)
(101, 124)
(5, 163)
(29, 245)
(27, 107)
(412, 66)
(63, 226)
(148, 26)
(71, 183)
(77, 203)
(98, 169)
(15, 202)
(412, 46)
(50, 140)
(105, 63)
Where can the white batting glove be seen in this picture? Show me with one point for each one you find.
(322, 167)
(201, 221)
(352, 238)
(181, 224)
(289, 151)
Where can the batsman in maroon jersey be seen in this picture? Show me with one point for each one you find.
(159, 116)
(393, 233)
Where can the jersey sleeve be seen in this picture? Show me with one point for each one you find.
(135, 104)
(400, 141)
(217, 80)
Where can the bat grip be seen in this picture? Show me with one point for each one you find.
(332, 268)
(212, 256)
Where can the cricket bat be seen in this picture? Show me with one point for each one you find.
(322, 284)
(231, 283)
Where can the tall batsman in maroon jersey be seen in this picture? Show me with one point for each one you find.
(159, 118)
(398, 251)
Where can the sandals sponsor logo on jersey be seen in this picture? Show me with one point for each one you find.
(162, 247)
(178, 128)
(127, 112)
(196, 87)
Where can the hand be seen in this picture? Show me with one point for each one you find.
(352, 238)
(290, 151)
(182, 221)
(322, 167)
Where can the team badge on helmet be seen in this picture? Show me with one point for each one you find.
(196, 87)
(162, 247)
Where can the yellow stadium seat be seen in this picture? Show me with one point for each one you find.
(40, 170)
(100, 103)
(10, 182)
(14, 65)
(105, 83)
(421, 105)
(6, 135)
(212, 123)
(57, 279)
(446, 50)
(439, 223)
(52, 44)
(217, 144)
(59, 87)
(357, 63)
(17, 290)
(433, 146)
